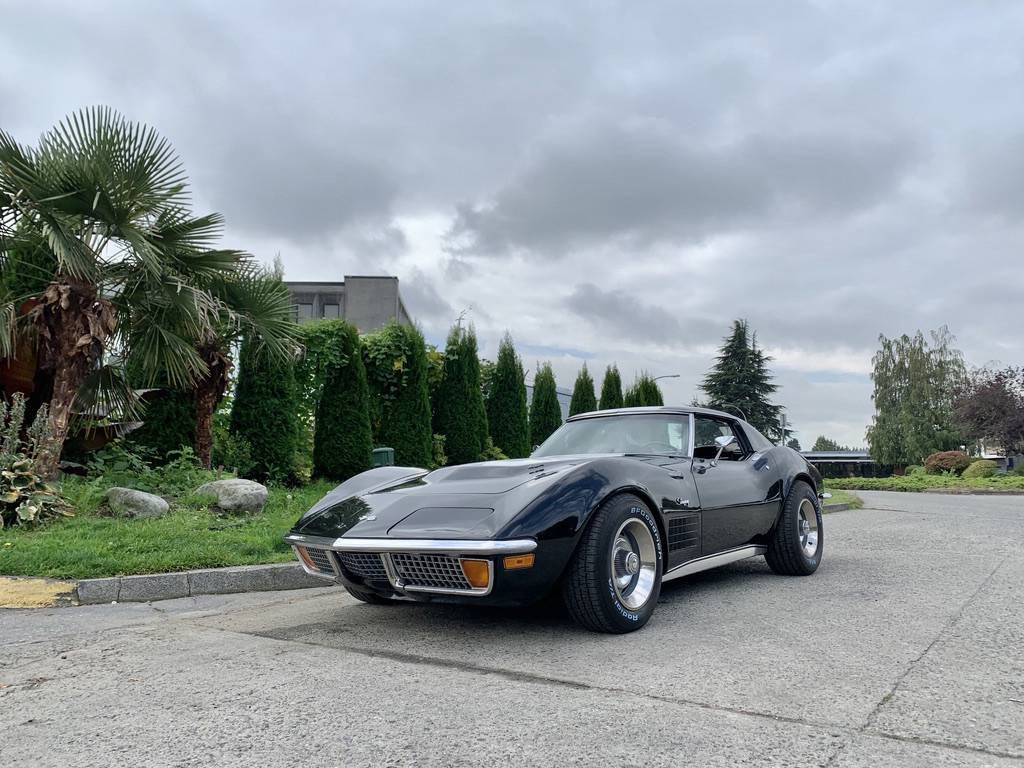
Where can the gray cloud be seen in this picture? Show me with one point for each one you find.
(641, 184)
(605, 177)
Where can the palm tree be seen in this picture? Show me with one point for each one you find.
(133, 270)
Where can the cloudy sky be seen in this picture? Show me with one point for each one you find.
(608, 181)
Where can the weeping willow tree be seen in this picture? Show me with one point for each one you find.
(133, 271)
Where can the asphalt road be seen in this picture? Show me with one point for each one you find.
(906, 648)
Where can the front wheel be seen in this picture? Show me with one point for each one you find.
(797, 543)
(614, 578)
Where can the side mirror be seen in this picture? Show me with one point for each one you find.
(724, 442)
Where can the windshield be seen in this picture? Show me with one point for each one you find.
(667, 434)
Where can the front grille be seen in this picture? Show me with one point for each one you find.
(321, 559)
(683, 532)
(435, 571)
(366, 566)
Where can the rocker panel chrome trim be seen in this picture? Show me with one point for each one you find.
(708, 562)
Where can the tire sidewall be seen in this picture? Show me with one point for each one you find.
(800, 494)
(621, 510)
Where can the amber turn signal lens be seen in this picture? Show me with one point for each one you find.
(477, 573)
(304, 557)
(512, 562)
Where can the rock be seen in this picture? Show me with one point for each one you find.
(132, 503)
(236, 495)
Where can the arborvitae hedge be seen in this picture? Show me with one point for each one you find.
(168, 423)
(507, 415)
(396, 370)
(342, 440)
(611, 389)
(545, 412)
(265, 412)
(461, 416)
(583, 398)
(644, 391)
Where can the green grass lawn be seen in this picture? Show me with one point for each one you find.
(90, 545)
(920, 482)
(841, 497)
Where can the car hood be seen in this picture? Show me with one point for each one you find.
(469, 501)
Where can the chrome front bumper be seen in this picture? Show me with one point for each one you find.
(410, 565)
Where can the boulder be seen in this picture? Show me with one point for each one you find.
(132, 503)
(235, 495)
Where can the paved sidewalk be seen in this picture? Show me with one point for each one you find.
(905, 649)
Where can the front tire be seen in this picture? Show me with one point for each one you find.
(797, 543)
(614, 578)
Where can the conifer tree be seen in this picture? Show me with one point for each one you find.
(461, 416)
(740, 381)
(611, 389)
(265, 413)
(507, 415)
(545, 412)
(583, 398)
(397, 370)
(644, 392)
(342, 440)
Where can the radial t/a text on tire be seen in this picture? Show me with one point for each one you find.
(614, 578)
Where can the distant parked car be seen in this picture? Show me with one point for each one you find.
(612, 505)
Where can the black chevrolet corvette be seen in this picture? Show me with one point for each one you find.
(613, 504)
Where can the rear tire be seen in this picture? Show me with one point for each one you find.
(368, 597)
(614, 578)
(797, 544)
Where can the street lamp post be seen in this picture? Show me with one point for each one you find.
(666, 376)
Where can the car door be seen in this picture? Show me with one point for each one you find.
(733, 491)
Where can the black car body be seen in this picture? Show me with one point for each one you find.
(714, 486)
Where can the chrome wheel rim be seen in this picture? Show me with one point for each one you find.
(807, 523)
(633, 563)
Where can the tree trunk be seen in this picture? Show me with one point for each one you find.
(208, 394)
(73, 324)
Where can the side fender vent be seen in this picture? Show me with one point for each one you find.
(683, 532)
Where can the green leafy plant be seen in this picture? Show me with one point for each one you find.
(583, 398)
(397, 372)
(233, 453)
(438, 457)
(264, 414)
(644, 392)
(25, 498)
(507, 413)
(611, 389)
(1018, 471)
(342, 438)
(954, 462)
(491, 452)
(981, 468)
(545, 410)
(461, 417)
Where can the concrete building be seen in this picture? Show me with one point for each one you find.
(368, 303)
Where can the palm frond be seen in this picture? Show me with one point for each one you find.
(164, 354)
(107, 393)
(259, 305)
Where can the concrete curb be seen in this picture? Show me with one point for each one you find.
(836, 507)
(209, 581)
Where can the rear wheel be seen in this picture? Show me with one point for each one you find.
(614, 578)
(369, 597)
(796, 546)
